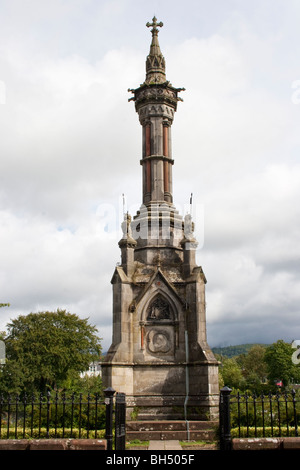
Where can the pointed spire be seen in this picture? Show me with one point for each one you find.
(155, 63)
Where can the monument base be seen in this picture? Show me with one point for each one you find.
(177, 407)
(166, 391)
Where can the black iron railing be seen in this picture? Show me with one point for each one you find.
(120, 421)
(251, 415)
(55, 415)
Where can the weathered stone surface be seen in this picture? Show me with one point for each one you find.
(159, 347)
(291, 443)
(53, 444)
(172, 429)
(14, 444)
(257, 444)
(87, 444)
(271, 443)
(48, 444)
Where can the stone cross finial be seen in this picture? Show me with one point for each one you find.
(154, 25)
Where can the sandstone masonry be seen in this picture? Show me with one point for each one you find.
(159, 354)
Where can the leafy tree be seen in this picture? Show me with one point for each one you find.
(86, 384)
(46, 348)
(253, 365)
(249, 370)
(278, 357)
(12, 378)
(231, 373)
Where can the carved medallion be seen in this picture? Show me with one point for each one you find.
(159, 341)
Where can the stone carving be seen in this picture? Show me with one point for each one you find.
(157, 109)
(154, 25)
(159, 310)
(126, 226)
(158, 341)
(157, 93)
(188, 227)
(127, 240)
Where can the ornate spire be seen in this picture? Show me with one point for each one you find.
(156, 102)
(155, 63)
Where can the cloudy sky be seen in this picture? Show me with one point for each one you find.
(70, 145)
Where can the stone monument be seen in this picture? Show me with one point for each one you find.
(159, 354)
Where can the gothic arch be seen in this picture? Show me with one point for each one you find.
(157, 300)
(159, 309)
(158, 315)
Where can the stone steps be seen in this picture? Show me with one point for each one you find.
(171, 430)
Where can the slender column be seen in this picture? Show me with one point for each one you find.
(156, 135)
(170, 141)
(165, 139)
(147, 154)
(157, 180)
(142, 336)
(166, 142)
(148, 139)
(166, 176)
(148, 176)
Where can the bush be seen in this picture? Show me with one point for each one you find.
(59, 433)
(268, 431)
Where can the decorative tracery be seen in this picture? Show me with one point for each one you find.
(159, 309)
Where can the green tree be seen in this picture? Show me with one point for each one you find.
(86, 384)
(278, 357)
(46, 348)
(231, 373)
(12, 378)
(253, 366)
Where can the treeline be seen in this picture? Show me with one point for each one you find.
(237, 350)
(261, 369)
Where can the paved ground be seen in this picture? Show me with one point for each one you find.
(164, 445)
(174, 445)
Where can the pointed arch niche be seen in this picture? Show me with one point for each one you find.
(159, 333)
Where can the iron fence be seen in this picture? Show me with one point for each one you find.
(120, 420)
(251, 415)
(61, 415)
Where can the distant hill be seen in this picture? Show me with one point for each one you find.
(232, 351)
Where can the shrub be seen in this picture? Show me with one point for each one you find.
(268, 431)
(59, 433)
